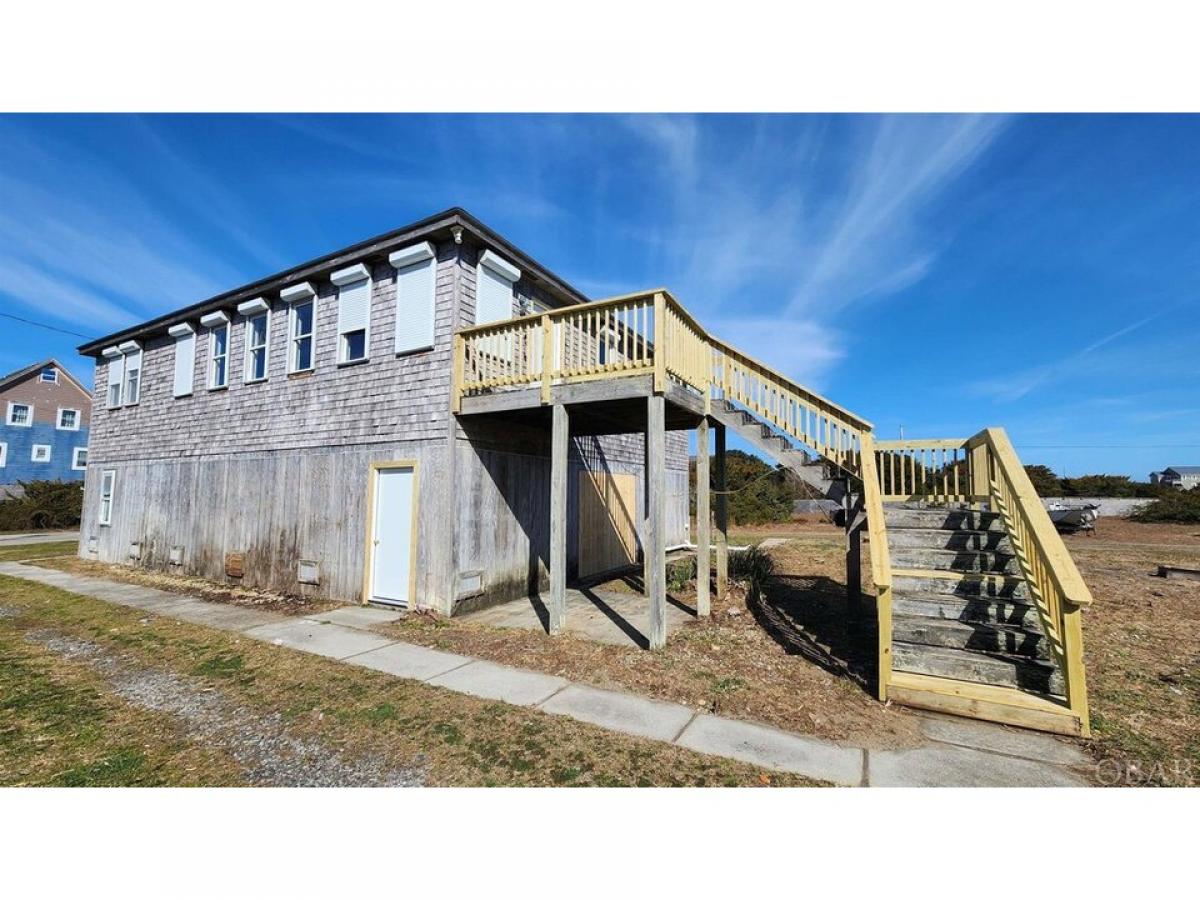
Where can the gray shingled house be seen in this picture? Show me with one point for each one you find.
(296, 434)
(430, 418)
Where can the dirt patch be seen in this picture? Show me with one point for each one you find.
(1142, 651)
(289, 604)
(752, 660)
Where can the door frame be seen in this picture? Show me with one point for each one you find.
(369, 545)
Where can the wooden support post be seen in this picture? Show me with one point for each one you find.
(547, 356)
(703, 522)
(559, 442)
(660, 343)
(656, 520)
(722, 516)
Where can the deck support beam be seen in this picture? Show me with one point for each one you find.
(656, 519)
(703, 522)
(559, 445)
(722, 515)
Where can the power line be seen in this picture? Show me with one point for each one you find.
(44, 325)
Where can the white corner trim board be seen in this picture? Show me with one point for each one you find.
(250, 307)
(183, 329)
(350, 274)
(297, 292)
(409, 255)
(213, 319)
(501, 266)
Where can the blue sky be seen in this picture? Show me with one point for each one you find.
(940, 273)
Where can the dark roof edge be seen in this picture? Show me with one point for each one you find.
(454, 216)
(12, 377)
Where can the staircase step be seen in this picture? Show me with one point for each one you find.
(1026, 674)
(947, 539)
(955, 560)
(1004, 587)
(966, 608)
(980, 637)
(941, 517)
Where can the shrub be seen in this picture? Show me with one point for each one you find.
(1181, 506)
(752, 565)
(43, 504)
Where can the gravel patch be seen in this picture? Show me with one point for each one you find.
(8, 612)
(261, 744)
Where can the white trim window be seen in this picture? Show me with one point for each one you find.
(108, 484)
(79, 459)
(257, 313)
(354, 312)
(3, 454)
(416, 287)
(116, 375)
(131, 389)
(49, 375)
(217, 324)
(40, 453)
(302, 323)
(20, 415)
(185, 359)
(495, 280)
(68, 419)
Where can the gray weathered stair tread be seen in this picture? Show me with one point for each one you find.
(966, 608)
(948, 539)
(903, 517)
(1026, 674)
(983, 561)
(965, 584)
(980, 637)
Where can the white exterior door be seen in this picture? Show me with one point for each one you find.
(392, 536)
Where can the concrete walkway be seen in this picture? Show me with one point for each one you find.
(959, 753)
(37, 537)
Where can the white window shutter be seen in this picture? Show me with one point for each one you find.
(354, 306)
(493, 296)
(116, 371)
(185, 364)
(415, 301)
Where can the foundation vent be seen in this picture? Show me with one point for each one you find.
(308, 571)
(177, 555)
(135, 550)
(469, 584)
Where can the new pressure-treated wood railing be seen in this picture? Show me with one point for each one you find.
(985, 469)
(649, 333)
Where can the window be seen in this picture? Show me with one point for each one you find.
(20, 414)
(415, 297)
(108, 481)
(116, 375)
(50, 374)
(3, 454)
(133, 372)
(217, 324)
(185, 358)
(79, 459)
(495, 279)
(41, 453)
(124, 373)
(302, 337)
(256, 346)
(354, 312)
(68, 420)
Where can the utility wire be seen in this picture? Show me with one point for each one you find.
(44, 325)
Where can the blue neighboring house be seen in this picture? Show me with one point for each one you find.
(44, 430)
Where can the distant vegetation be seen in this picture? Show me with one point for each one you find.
(1176, 506)
(42, 504)
(1047, 484)
(759, 492)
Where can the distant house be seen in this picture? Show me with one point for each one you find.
(44, 432)
(1182, 477)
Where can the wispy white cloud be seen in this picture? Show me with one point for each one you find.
(52, 295)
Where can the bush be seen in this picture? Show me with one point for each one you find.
(1181, 506)
(43, 504)
(752, 565)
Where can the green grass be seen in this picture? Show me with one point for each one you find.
(60, 724)
(21, 552)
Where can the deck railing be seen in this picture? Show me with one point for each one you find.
(936, 471)
(649, 333)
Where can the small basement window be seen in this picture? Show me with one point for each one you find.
(41, 453)
(108, 481)
(79, 459)
(3, 454)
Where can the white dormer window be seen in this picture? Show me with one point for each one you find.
(50, 374)
(19, 414)
(217, 324)
(354, 312)
(258, 331)
(495, 280)
(302, 299)
(68, 420)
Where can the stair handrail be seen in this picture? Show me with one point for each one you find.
(881, 561)
(1056, 587)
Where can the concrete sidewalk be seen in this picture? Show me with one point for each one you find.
(958, 752)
